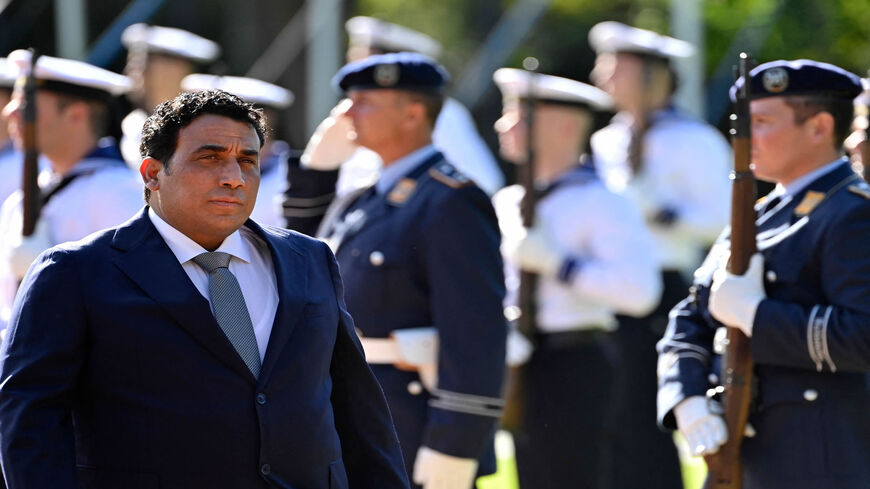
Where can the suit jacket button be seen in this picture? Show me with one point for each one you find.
(811, 395)
(376, 258)
(265, 469)
(415, 388)
(261, 398)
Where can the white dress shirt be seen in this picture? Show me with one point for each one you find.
(685, 166)
(251, 263)
(618, 271)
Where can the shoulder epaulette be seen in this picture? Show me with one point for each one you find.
(860, 188)
(450, 176)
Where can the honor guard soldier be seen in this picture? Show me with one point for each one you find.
(87, 186)
(675, 169)
(455, 132)
(419, 254)
(158, 58)
(592, 255)
(804, 302)
(274, 154)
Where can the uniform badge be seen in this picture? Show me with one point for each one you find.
(775, 80)
(386, 75)
(402, 191)
(811, 200)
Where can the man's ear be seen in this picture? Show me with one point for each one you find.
(821, 126)
(150, 169)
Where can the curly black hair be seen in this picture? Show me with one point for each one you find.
(160, 132)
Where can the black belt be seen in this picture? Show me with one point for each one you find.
(569, 339)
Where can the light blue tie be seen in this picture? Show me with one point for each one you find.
(229, 308)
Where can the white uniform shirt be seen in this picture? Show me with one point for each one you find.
(617, 274)
(251, 263)
(93, 201)
(685, 168)
(455, 135)
(11, 163)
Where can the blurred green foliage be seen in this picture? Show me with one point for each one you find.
(836, 31)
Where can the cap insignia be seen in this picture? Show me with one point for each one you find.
(775, 80)
(386, 75)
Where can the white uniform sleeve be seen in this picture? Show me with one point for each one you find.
(456, 136)
(618, 268)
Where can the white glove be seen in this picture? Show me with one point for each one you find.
(435, 470)
(332, 142)
(537, 253)
(704, 431)
(735, 298)
(24, 250)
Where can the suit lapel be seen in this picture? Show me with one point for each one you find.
(148, 261)
(291, 273)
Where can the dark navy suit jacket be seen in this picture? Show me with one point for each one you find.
(115, 374)
(810, 340)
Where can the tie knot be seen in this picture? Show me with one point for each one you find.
(212, 260)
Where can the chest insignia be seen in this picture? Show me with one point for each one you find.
(811, 200)
(402, 191)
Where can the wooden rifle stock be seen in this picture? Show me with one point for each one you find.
(724, 470)
(513, 411)
(526, 296)
(29, 186)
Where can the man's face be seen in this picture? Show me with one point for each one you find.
(621, 76)
(210, 186)
(779, 145)
(512, 133)
(50, 120)
(156, 78)
(377, 116)
(554, 126)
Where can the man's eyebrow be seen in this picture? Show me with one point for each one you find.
(250, 152)
(211, 147)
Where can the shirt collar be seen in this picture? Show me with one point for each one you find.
(802, 182)
(391, 174)
(185, 249)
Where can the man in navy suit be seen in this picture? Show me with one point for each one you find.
(132, 362)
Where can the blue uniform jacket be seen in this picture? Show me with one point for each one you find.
(116, 374)
(427, 254)
(810, 340)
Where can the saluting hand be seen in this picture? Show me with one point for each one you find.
(332, 142)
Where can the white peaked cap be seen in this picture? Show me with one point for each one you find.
(171, 41)
(248, 89)
(523, 84)
(369, 31)
(70, 72)
(612, 37)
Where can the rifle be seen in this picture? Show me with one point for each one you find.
(723, 468)
(29, 187)
(526, 299)
(513, 411)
